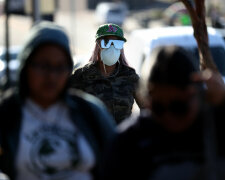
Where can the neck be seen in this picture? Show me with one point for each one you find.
(107, 70)
(43, 103)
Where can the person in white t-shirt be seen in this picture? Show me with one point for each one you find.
(46, 131)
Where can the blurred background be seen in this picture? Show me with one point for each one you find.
(81, 19)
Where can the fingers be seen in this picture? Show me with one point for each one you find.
(215, 85)
(202, 76)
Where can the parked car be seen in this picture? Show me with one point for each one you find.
(111, 12)
(222, 32)
(13, 65)
(142, 42)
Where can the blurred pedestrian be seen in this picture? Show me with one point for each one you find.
(179, 136)
(47, 131)
(107, 75)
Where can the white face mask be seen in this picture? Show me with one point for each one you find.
(110, 56)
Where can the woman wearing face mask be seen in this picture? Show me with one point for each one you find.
(107, 75)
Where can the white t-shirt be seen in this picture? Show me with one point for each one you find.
(51, 147)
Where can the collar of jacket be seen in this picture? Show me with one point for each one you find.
(94, 73)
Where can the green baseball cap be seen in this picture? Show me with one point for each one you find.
(110, 30)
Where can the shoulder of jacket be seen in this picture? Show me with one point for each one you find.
(136, 121)
(93, 106)
(9, 97)
(84, 97)
(85, 68)
(127, 123)
(10, 108)
(129, 70)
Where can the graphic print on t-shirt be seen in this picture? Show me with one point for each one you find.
(53, 152)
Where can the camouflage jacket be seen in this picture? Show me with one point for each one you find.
(117, 91)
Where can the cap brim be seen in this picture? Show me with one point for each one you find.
(111, 35)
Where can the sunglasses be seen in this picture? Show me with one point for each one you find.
(176, 107)
(105, 43)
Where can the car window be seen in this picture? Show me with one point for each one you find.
(12, 56)
(115, 11)
(218, 54)
(219, 57)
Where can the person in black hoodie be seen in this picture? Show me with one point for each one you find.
(46, 130)
(180, 135)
